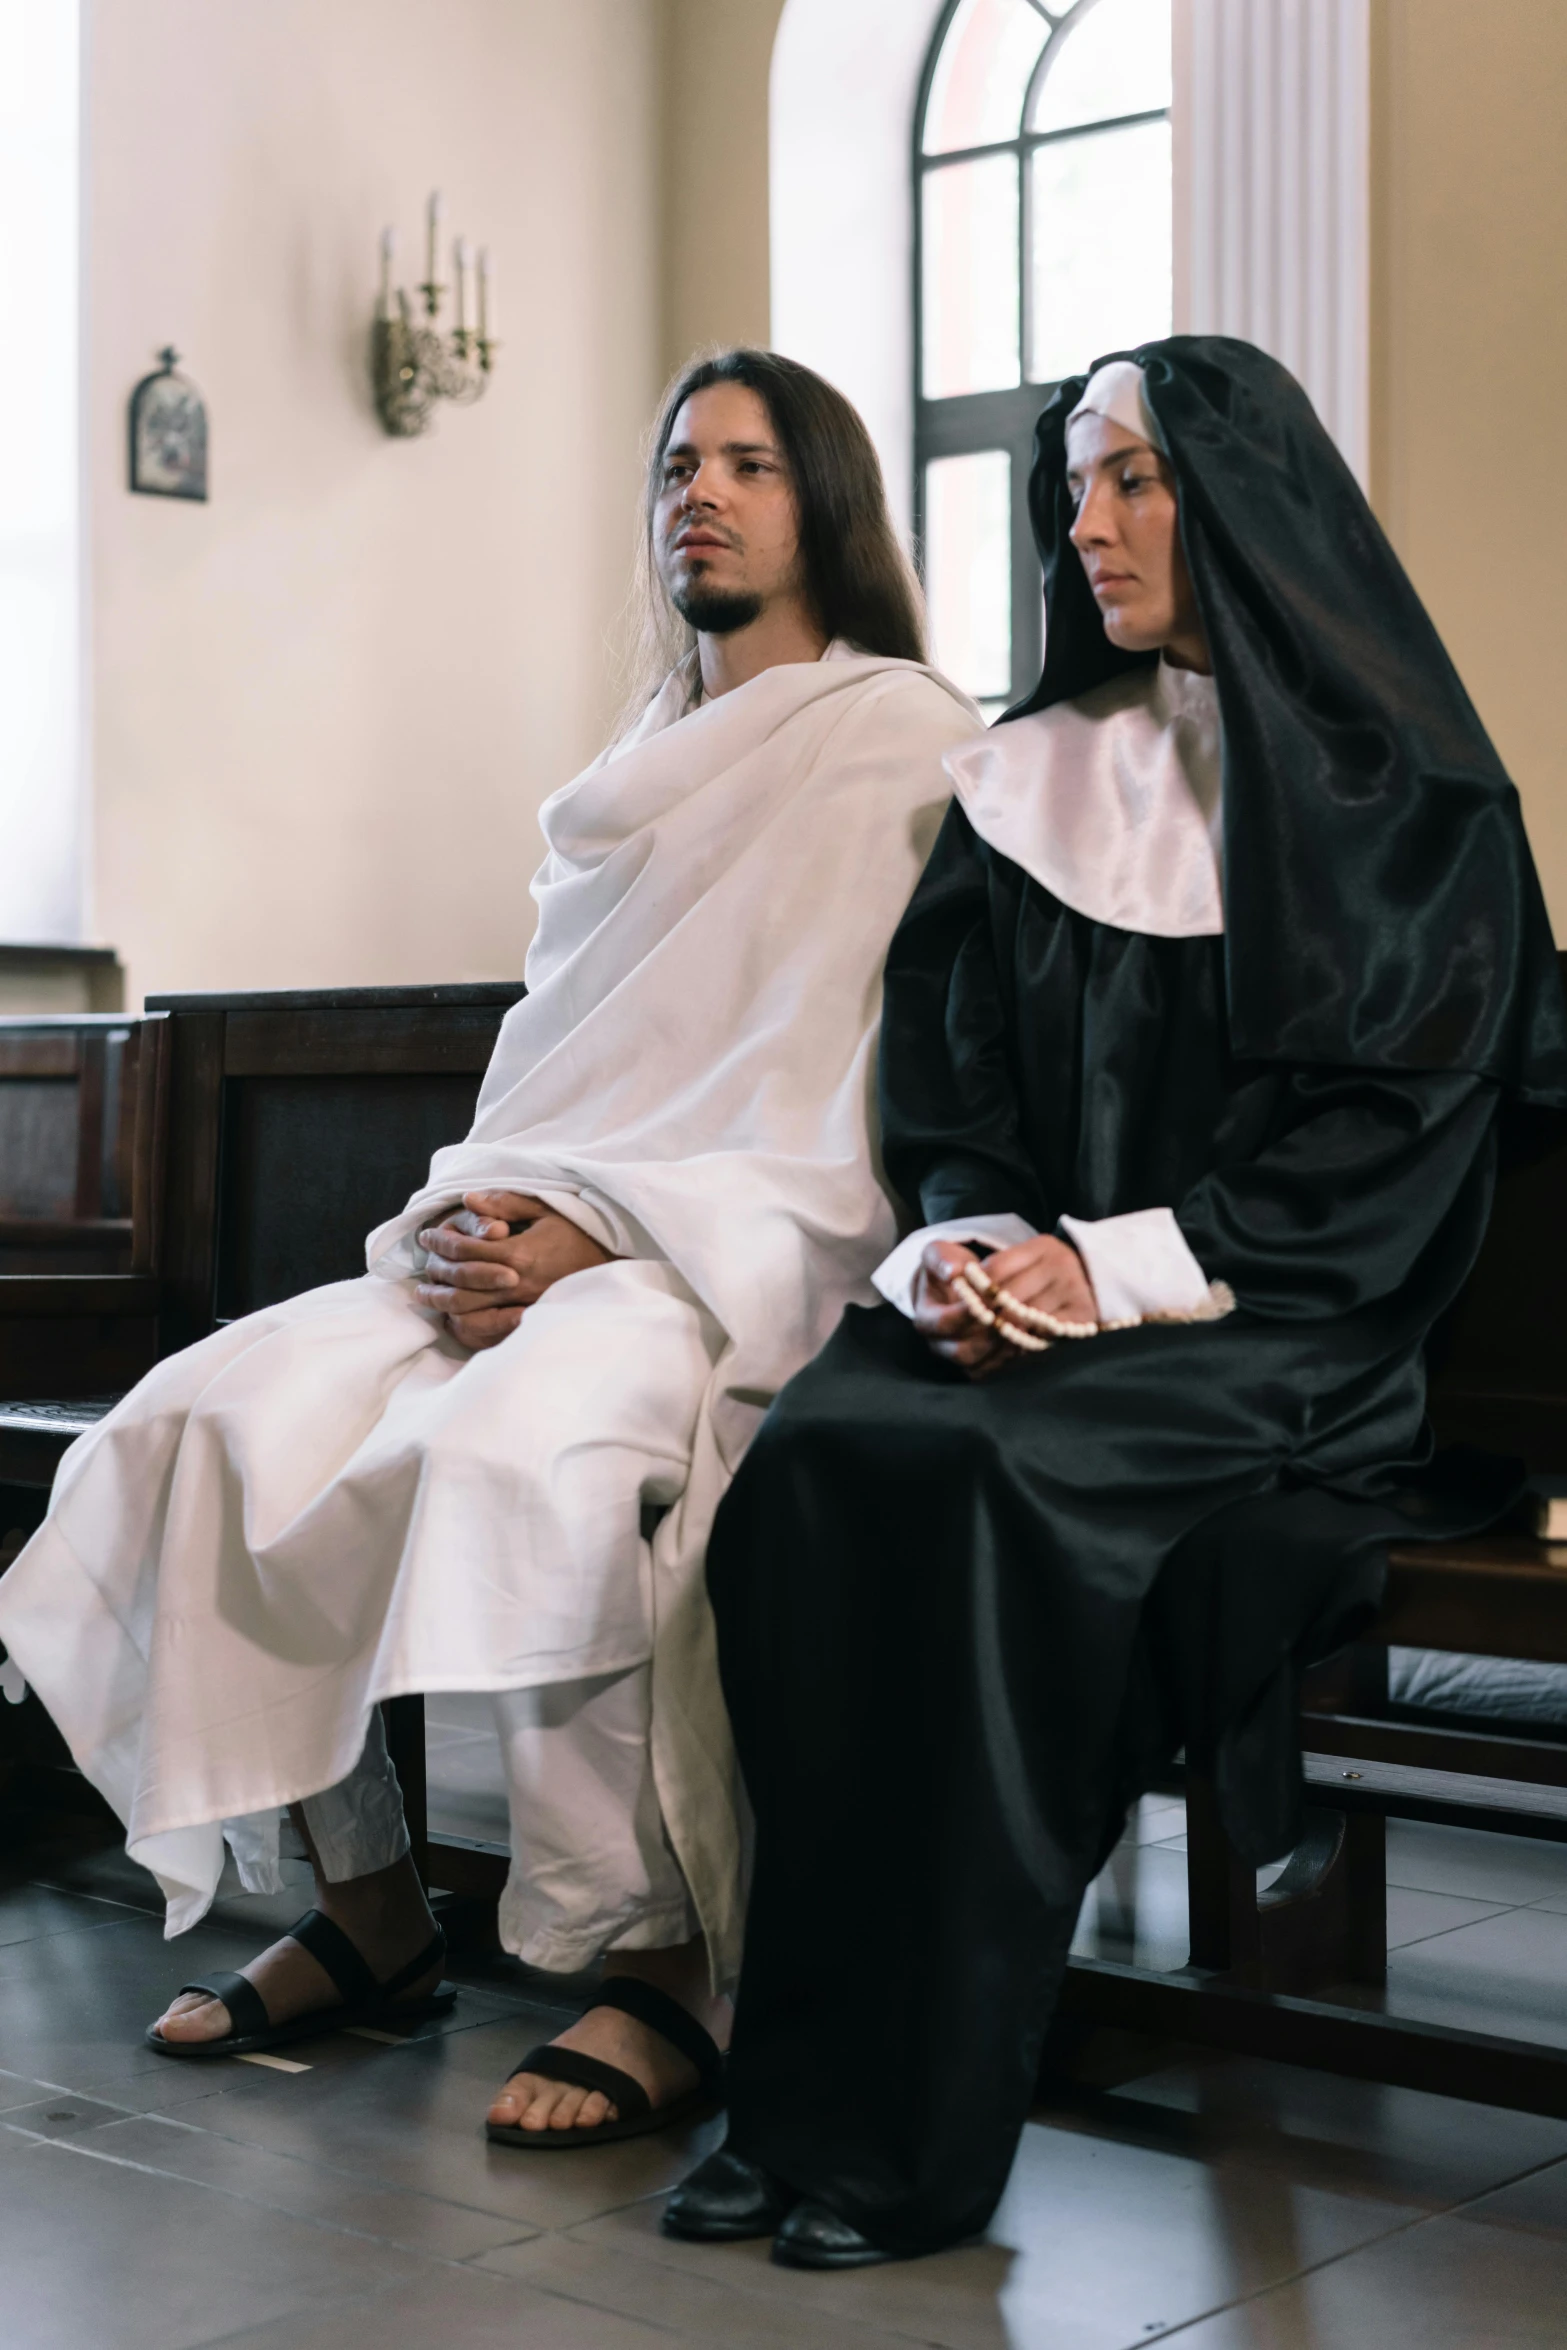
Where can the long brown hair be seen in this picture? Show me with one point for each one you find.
(860, 583)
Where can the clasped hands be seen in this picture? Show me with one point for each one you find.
(1043, 1273)
(490, 1272)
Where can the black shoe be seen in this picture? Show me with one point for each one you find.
(814, 2237)
(725, 2200)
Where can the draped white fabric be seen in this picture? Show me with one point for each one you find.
(330, 1502)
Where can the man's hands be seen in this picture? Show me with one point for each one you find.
(1044, 1273)
(491, 1274)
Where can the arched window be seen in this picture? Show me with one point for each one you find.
(1042, 238)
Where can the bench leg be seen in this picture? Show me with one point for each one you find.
(403, 1719)
(1323, 1921)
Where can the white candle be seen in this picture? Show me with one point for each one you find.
(388, 268)
(432, 267)
(463, 261)
(489, 309)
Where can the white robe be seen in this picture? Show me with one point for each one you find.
(301, 1515)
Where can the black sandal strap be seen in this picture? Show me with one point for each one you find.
(586, 2072)
(433, 1954)
(669, 2019)
(337, 1958)
(247, 2009)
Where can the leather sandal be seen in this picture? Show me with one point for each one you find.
(364, 2000)
(636, 2114)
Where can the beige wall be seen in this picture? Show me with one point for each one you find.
(1469, 202)
(716, 59)
(328, 703)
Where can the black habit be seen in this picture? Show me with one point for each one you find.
(933, 1597)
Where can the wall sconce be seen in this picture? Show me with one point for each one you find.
(413, 363)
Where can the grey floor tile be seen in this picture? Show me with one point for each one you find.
(454, 1709)
(99, 2252)
(200, 2152)
(1506, 1974)
(105, 1870)
(32, 1913)
(1135, 1910)
(1156, 1819)
(73, 2008)
(1538, 2202)
(703, 2309)
(413, 2119)
(1399, 2146)
(466, 1790)
(62, 2115)
(1415, 1917)
(950, 2300)
(461, 2309)
(1120, 2237)
(1448, 2284)
(1473, 1863)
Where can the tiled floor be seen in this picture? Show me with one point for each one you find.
(354, 2205)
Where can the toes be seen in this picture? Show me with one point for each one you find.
(529, 2102)
(592, 2107)
(194, 2018)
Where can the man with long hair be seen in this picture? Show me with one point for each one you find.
(491, 1463)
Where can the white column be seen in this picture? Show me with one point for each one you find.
(1272, 191)
(40, 475)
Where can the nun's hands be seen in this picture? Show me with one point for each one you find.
(1044, 1273)
(487, 1273)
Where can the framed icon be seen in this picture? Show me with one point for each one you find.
(168, 434)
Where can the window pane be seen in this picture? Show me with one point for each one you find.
(968, 570)
(970, 289)
(981, 76)
(1100, 223)
(1115, 60)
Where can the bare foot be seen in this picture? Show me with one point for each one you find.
(530, 2102)
(385, 1916)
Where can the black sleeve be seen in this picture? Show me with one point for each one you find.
(949, 1115)
(1358, 1177)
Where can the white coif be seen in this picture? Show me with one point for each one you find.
(1111, 802)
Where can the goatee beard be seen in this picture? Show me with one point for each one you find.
(716, 611)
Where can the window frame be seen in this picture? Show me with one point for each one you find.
(969, 423)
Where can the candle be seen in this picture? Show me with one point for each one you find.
(432, 266)
(388, 269)
(489, 309)
(463, 261)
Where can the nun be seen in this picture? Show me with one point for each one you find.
(1228, 966)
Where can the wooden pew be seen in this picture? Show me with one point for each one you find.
(83, 1125)
(289, 1125)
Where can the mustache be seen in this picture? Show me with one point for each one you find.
(713, 530)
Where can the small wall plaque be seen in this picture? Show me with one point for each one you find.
(168, 434)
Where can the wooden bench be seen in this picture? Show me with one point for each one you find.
(1263, 1971)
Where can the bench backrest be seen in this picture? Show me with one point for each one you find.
(301, 1120)
(71, 1093)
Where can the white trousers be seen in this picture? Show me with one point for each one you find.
(592, 1868)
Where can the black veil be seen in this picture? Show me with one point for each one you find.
(1381, 903)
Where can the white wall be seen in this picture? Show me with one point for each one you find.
(845, 77)
(40, 502)
(329, 702)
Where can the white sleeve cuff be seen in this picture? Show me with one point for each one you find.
(1140, 1265)
(895, 1275)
